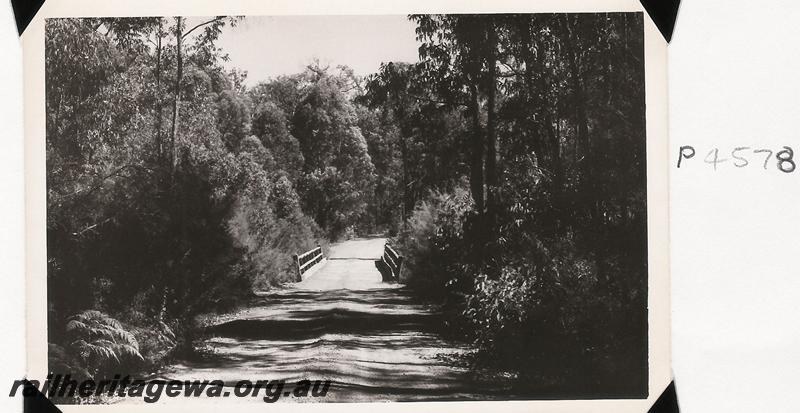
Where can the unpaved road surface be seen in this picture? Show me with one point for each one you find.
(372, 339)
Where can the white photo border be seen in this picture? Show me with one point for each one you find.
(659, 338)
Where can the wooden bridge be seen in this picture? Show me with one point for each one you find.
(389, 265)
(347, 321)
(307, 260)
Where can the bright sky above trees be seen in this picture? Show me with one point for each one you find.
(270, 46)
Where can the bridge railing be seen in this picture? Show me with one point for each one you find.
(393, 261)
(307, 260)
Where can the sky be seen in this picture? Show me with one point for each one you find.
(267, 47)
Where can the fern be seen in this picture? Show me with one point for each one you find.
(99, 340)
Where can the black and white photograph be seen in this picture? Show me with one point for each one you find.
(359, 206)
(347, 208)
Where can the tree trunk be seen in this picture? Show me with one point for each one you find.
(177, 100)
(492, 180)
(159, 103)
(476, 158)
(583, 154)
(551, 136)
(578, 95)
(408, 196)
(177, 200)
(405, 133)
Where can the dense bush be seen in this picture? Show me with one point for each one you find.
(540, 309)
(432, 242)
(161, 205)
(546, 261)
(339, 174)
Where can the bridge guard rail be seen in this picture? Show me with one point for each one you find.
(303, 262)
(393, 261)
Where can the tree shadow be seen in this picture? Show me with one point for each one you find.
(308, 324)
(373, 344)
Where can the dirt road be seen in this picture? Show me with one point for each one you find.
(372, 339)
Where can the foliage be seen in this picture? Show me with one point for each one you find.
(162, 205)
(270, 125)
(548, 265)
(100, 341)
(338, 172)
(433, 243)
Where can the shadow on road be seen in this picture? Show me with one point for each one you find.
(371, 338)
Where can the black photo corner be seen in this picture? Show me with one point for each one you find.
(667, 402)
(24, 10)
(662, 12)
(35, 401)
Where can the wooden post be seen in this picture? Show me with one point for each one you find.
(297, 265)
